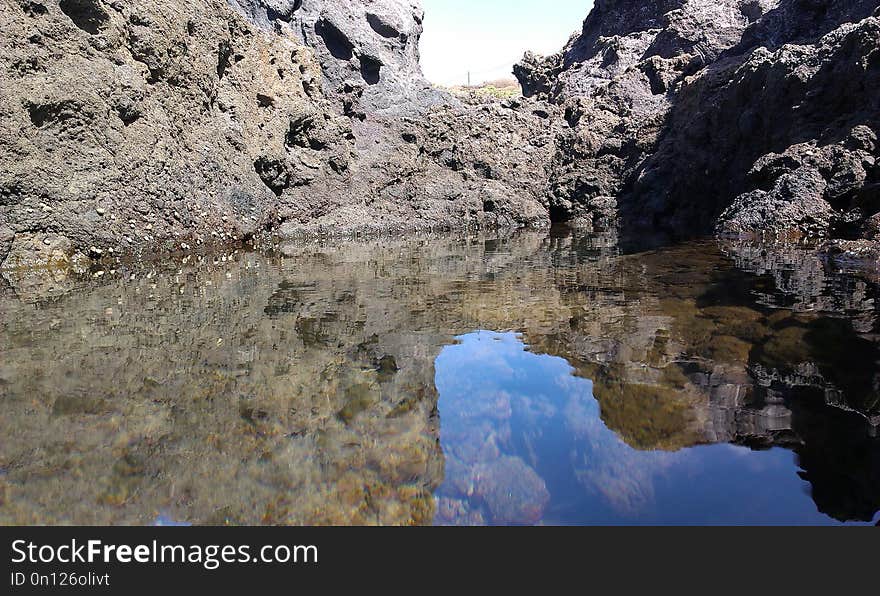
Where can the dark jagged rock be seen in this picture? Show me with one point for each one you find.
(810, 94)
(821, 190)
(741, 116)
(537, 74)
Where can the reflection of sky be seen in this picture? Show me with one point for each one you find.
(531, 406)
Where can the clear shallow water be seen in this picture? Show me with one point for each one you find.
(537, 378)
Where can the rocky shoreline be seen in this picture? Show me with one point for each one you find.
(153, 126)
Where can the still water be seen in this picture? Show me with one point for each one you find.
(536, 378)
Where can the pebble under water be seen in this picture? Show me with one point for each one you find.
(536, 378)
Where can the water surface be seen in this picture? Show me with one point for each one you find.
(552, 378)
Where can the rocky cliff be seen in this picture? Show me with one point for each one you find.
(127, 126)
(130, 126)
(133, 124)
(742, 116)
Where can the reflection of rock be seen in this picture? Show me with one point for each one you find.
(457, 512)
(34, 285)
(804, 280)
(512, 491)
(225, 409)
(840, 462)
(648, 413)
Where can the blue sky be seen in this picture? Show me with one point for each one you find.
(488, 36)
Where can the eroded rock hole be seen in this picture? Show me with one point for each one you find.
(34, 9)
(11, 194)
(381, 27)
(370, 69)
(273, 173)
(49, 113)
(483, 169)
(88, 15)
(559, 214)
(128, 114)
(282, 10)
(338, 44)
(224, 55)
(304, 132)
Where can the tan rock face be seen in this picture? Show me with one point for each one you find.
(165, 125)
(138, 124)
